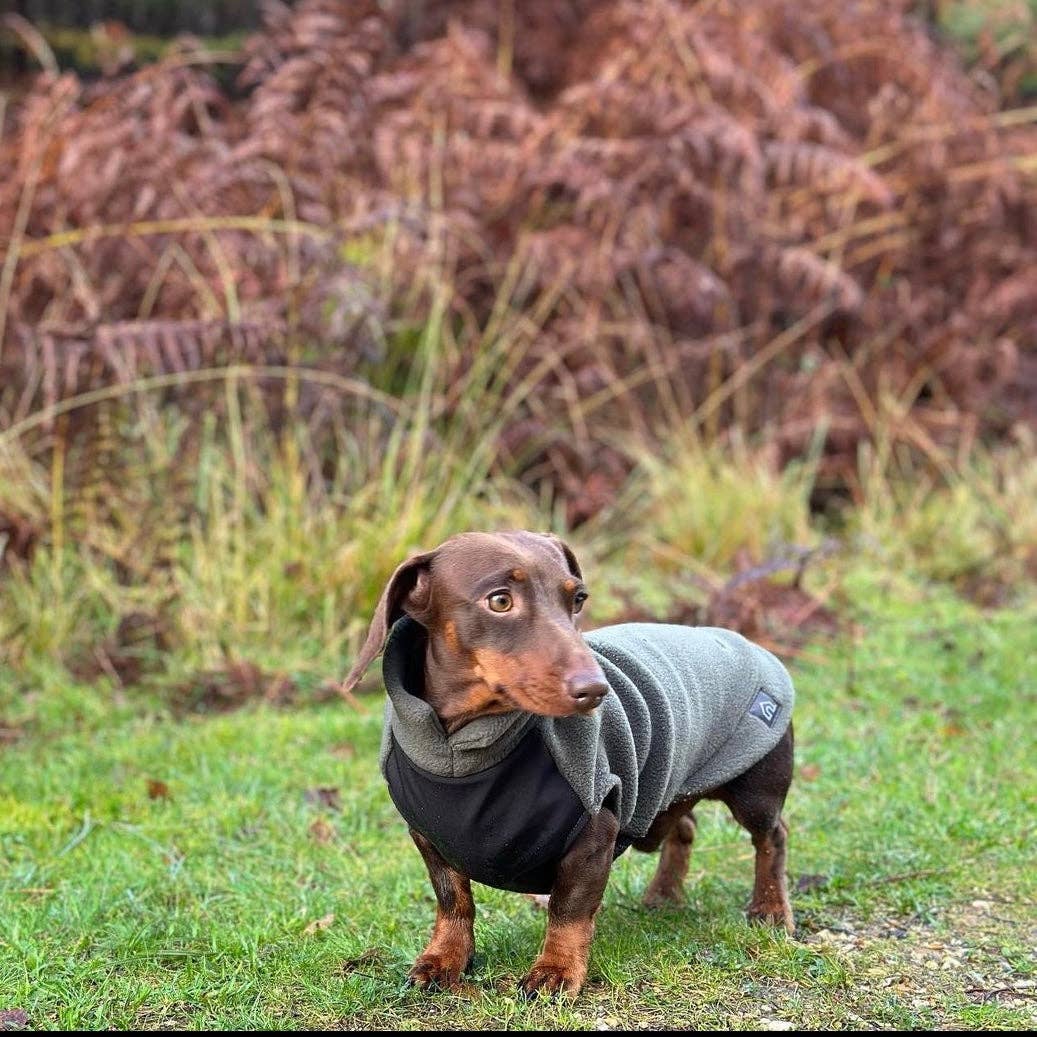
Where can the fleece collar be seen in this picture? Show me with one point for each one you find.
(415, 726)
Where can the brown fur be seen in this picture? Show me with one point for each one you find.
(532, 657)
(449, 953)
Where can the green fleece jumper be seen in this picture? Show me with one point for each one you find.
(690, 708)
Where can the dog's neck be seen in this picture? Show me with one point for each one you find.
(441, 696)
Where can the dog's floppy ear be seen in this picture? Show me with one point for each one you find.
(407, 591)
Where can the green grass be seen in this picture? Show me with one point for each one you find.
(912, 812)
(996, 32)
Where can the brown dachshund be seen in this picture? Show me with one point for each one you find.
(527, 756)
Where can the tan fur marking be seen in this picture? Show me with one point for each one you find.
(518, 575)
(479, 700)
(498, 667)
(450, 634)
(562, 964)
(569, 941)
(569, 586)
(529, 682)
(446, 957)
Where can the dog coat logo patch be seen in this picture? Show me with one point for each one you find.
(765, 708)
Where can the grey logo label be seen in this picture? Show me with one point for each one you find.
(765, 708)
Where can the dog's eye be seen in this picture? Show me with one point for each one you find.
(499, 601)
(578, 599)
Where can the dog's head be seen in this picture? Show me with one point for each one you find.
(500, 610)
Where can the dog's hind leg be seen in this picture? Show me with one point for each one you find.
(755, 798)
(667, 886)
(673, 834)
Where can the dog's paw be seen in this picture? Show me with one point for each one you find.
(431, 972)
(552, 978)
(777, 914)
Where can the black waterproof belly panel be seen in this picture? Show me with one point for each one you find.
(507, 826)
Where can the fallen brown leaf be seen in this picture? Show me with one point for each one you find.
(158, 789)
(324, 796)
(319, 924)
(321, 831)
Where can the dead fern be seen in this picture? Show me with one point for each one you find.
(669, 187)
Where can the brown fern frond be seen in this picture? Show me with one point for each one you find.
(799, 164)
(812, 125)
(805, 280)
(60, 362)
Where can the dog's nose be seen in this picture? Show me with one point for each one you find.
(587, 689)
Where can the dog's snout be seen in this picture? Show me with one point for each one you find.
(587, 688)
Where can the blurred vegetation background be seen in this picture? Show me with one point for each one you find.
(147, 17)
(736, 296)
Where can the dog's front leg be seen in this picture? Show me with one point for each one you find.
(575, 899)
(449, 952)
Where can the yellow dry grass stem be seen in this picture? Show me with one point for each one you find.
(46, 415)
(187, 225)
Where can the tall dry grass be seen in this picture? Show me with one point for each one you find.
(676, 280)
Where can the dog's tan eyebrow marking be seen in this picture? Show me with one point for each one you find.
(569, 586)
(518, 575)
